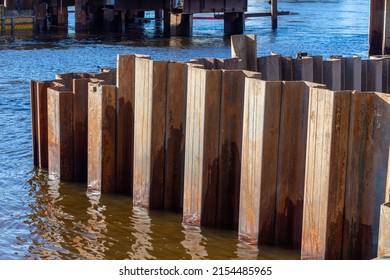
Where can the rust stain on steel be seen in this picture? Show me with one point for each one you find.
(175, 136)
(291, 163)
(101, 138)
(34, 122)
(42, 114)
(367, 174)
(158, 131)
(60, 133)
(80, 90)
(125, 82)
(259, 161)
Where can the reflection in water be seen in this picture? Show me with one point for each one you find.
(246, 251)
(193, 242)
(141, 223)
(65, 222)
(91, 242)
(46, 220)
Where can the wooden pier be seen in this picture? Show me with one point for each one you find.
(117, 15)
(288, 151)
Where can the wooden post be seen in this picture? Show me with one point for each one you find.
(291, 163)
(60, 133)
(369, 142)
(270, 67)
(303, 69)
(101, 137)
(326, 166)
(175, 136)
(274, 13)
(374, 74)
(181, 25)
(259, 161)
(234, 23)
(245, 48)
(384, 230)
(201, 147)
(332, 74)
(80, 122)
(125, 122)
(353, 73)
(377, 22)
(230, 142)
(149, 132)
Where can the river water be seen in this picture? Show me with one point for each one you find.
(44, 219)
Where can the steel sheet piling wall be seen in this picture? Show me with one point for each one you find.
(201, 147)
(60, 133)
(245, 48)
(230, 142)
(288, 163)
(332, 74)
(175, 136)
(80, 122)
(367, 173)
(270, 67)
(353, 70)
(259, 167)
(34, 120)
(326, 164)
(291, 163)
(149, 132)
(125, 115)
(303, 69)
(41, 125)
(101, 137)
(125, 83)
